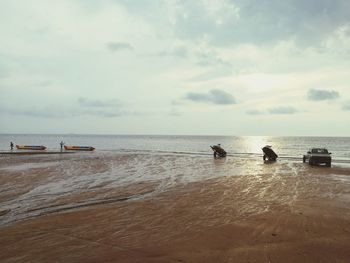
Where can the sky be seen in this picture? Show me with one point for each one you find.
(223, 67)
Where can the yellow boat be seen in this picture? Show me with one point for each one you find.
(30, 147)
(79, 148)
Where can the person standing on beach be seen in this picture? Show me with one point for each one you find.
(61, 144)
(11, 145)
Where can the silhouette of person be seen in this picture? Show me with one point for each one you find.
(11, 145)
(61, 144)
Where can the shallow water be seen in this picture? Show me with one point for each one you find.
(246, 146)
(35, 185)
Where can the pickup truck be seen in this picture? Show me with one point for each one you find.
(318, 156)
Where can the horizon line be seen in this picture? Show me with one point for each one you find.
(199, 135)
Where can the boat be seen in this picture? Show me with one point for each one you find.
(78, 148)
(30, 147)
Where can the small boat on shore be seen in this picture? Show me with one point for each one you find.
(30, 147)
(78, 148)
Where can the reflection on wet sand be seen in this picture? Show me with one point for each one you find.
(160, 207)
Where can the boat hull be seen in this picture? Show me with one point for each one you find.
(31, 147)
(79, 148)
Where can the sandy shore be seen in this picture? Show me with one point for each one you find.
(251, 212)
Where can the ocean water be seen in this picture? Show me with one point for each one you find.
(243, 146)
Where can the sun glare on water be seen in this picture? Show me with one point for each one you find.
(253, 144)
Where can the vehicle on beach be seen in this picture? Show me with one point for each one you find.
(30, 147)
(78, 148)
(269, 154)
(318, 156)
(218, 151)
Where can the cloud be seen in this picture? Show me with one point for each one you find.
(274, 20)
(209, 58)
(227, 22)
(338, 41)
(54, 112)
(283, 110)
(44, 112)
(179, 52)
(111, 113)
(346, 106)
(118, 46)
(213, 73)
(214, 96)
(201, 19)
(319, 95)
(100, 108)
(254, 112)
(84, 102)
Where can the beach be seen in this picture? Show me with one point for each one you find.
(160, 207)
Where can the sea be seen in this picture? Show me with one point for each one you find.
(291, 148)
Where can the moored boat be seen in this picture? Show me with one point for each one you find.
(79, 148)
(30, 147)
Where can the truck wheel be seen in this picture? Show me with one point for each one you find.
(311, 162)
(304, 159)
(328, 164)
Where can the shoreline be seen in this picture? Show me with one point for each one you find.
(254, 156)
(37, 152)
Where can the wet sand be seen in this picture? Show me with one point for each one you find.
(149, 208)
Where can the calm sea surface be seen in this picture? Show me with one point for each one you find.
(249, 146)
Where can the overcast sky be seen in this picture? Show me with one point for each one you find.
(223, 67)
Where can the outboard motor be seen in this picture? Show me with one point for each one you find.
(218, 151)
(269, 154)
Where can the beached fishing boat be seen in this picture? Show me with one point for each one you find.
(79, 148)
(30, 147)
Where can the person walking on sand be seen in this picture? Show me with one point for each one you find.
(61, 144)
(11, 145)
